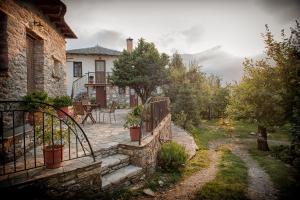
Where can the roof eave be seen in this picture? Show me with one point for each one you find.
(55, 10)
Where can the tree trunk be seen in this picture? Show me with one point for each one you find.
(262, 140)
(144, 99)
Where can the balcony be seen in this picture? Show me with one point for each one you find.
(98, 79)
(90, 79)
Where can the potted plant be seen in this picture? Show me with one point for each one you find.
(133, 122)
(91, 79)
(53, 140)
(33, 103)
(62, 103)
(93, 100)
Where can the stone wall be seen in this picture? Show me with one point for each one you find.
(58, 184)
(112, 94)
(145, 156)
(49, 51)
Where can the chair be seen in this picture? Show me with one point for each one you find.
(110, 111)
(78, 109)
(83, 108)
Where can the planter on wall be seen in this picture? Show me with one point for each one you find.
(61, 114)
(135, 133)
(38, 118)
(53, 156)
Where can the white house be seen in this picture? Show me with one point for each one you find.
(88, 72)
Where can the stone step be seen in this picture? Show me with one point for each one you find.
(106, 150)
(122, 177)
(113, 163)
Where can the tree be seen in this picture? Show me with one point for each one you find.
(286, 56)
(257, 98)
(270, 89)
(143, 70)
(185, 107)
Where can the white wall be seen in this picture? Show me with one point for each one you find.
(88, 65)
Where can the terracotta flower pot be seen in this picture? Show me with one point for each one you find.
(38, 118)
(135, 133)
(61, 114)
(53, 156)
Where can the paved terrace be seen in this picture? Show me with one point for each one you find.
(104, 135)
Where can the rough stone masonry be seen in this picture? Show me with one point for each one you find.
(18, 20)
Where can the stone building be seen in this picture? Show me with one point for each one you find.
(32, 47)
(88, 72)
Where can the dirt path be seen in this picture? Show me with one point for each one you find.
(260, 187)
(191, 184)
(187, 188)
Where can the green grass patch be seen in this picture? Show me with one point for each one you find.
(283, 176)
(198, 162)
(206, 134)
(243, 130)
(166, 178)
(231, 180)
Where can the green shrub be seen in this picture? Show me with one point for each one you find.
(30, 100)
(62, 101)
(286, 154)
(93, 100)
(172, 156)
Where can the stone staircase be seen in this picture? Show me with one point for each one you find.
(117, 171)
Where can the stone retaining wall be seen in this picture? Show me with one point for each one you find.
(60, 184)
(145, 156)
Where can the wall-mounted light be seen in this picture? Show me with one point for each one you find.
(37, 23)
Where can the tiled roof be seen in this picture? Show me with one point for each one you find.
(97, 50)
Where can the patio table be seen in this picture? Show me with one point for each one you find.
(88, 108)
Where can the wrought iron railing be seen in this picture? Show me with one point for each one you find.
(78, 85)
(101, 80)
(25, 134)
(155, 110)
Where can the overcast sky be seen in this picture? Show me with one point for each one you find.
(188, 26)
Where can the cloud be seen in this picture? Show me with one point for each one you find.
(106, 38)
(285, 11)
(193, 34)
(184, 38)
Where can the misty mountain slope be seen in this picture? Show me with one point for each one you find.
(219, 62)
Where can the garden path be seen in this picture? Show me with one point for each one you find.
(260, 187)
(182, 137)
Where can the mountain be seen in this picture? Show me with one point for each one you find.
(217, 61)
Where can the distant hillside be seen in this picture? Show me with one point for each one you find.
(219, 62)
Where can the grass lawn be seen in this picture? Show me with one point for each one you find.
(242, 130)
(211, 130)
(207, 132)
(283, 176)
(231, 180)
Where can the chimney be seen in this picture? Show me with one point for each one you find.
(129, 44)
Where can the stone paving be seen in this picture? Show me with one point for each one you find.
(104, 135)
(185, 139)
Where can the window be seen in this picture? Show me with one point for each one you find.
(77, 69)
(57, 69)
